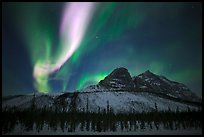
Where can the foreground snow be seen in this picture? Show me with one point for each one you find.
(150, 132)
(161, 131)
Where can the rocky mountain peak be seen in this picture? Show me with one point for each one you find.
(118, 79)
(151, 82)
(148, 73)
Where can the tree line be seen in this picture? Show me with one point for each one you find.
(104, 120)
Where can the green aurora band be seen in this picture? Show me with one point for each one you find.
(95, 78)
(38, 34)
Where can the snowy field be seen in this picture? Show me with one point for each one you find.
(144, 132)
(161, 131)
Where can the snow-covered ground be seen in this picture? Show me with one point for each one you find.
(148, 132)
(161, 131)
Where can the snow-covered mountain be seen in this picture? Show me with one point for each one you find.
(121, 101)
(151, 82)
(118, 92)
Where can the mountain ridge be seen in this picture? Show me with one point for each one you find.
(123, 92)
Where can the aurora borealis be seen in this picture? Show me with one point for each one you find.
(55, 47)
(72, 30)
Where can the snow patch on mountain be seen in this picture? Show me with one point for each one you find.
(129, 101)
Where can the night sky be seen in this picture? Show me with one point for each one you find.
(55, 47)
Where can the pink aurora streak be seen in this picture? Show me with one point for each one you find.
(75, 20)
(74, 23)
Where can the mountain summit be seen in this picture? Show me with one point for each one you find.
(160, 85)
(119, 79)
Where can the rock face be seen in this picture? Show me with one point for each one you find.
(119, 79)
(151, 82)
